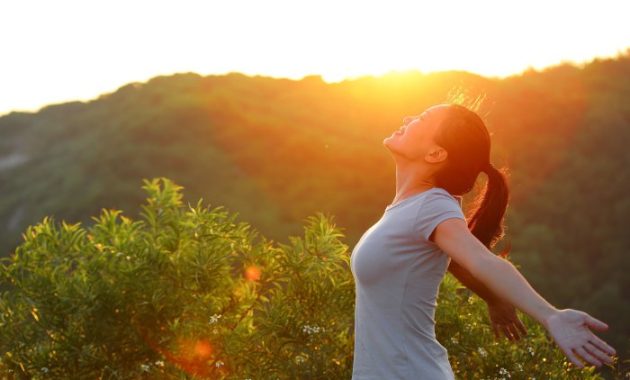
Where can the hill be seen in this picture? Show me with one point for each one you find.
(278, 150)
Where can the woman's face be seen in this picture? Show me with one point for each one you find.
(414, 139)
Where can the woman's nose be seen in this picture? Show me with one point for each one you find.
(408, 119)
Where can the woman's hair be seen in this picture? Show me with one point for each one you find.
(466, 139)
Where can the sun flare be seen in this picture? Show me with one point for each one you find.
(70, 50)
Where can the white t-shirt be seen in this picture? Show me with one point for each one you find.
(397, 273)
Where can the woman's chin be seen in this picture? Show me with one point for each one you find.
(389, 139)
(392, 145)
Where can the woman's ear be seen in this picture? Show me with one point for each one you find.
(436, 155)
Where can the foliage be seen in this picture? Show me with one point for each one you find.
(187, 292)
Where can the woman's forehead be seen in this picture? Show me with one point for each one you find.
(437, 109)
(431, 111)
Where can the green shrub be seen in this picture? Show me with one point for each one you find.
(189, 292)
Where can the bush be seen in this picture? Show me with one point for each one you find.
(189, 292)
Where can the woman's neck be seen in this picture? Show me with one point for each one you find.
(411, 180)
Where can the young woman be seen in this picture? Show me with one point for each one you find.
(399, 262)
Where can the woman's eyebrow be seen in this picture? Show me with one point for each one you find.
(408, 118)
(420, 116)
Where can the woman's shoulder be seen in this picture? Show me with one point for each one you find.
(439, 199)
(436, 207)
(440, 192)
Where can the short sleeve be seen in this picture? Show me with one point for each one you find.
(436, 208)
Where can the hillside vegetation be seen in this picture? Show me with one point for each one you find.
(186, 291)
(275, 151)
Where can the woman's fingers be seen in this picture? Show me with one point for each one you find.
(521, 326)
(587, 356)
(597, 352)
(571, 355)
(507, 332)
(495, 329)
(595, 323)
(515, 332)
(511, 331)
(602, 345)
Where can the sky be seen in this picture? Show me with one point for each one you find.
(57, 51)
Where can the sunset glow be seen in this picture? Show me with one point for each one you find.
(72, 50)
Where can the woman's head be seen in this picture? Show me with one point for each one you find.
(451, 145)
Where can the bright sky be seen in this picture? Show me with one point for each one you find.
(62, 50)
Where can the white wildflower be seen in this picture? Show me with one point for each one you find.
(454, 340)
(503, 371)
(482, 352)
(44, 369)
(312, 329)
(159, 363)
(144, 367)
(215, 318)
(219, 363)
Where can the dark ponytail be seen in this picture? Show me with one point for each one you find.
(486, 222)
(464, 136)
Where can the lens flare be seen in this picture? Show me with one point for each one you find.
(252, 273)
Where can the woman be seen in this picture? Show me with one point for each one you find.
(399, 262)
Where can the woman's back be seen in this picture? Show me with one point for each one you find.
(397, 273)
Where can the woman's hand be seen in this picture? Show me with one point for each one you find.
(503, 318)
(570, 329)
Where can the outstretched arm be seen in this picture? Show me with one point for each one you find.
(568, 327)
(466, 278)
(502, 314)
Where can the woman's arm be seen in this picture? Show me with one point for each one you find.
(502, 314)
(569, 328)
(466, 278)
